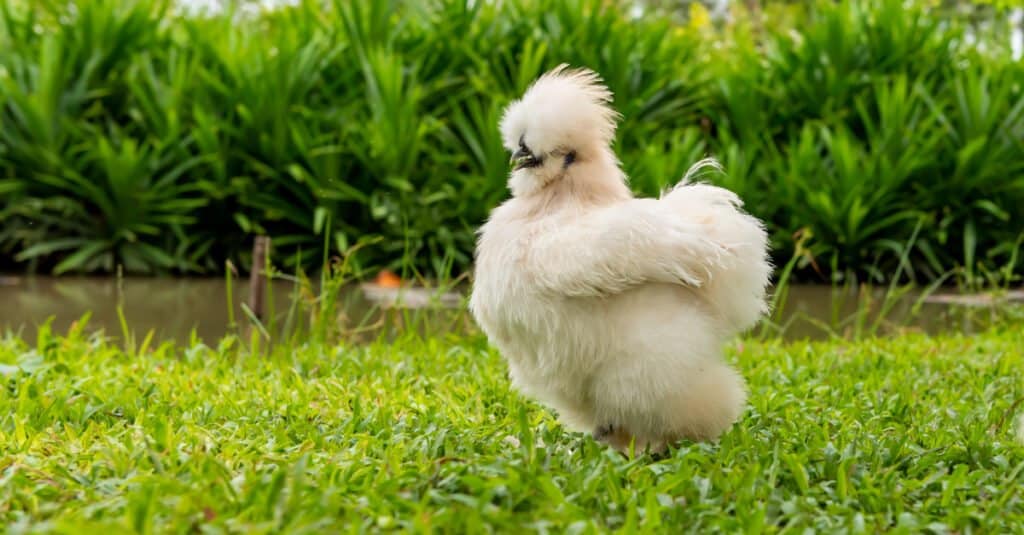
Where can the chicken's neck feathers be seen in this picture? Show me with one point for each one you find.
(582, 186)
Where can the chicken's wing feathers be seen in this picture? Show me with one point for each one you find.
(611, 249)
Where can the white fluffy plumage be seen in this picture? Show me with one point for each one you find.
(612, 309)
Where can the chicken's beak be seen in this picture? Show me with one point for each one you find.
(522, 158)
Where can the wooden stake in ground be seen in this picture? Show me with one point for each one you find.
(258, 276)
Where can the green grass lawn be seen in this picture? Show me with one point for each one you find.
(909, 434)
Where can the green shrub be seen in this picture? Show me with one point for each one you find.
(131, 135)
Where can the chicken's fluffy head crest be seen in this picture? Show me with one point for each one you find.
(564, 113)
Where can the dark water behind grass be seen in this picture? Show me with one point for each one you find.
(173, 308)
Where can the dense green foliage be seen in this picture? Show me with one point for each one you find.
(912, 434)
(133, 136)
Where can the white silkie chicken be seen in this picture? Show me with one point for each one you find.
(612, 309)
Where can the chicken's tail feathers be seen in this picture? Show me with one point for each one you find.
(693, 190)
(701, 169)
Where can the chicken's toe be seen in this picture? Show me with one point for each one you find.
(603, 432)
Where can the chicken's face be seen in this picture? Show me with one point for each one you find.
(562, 120)
(532, 168)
